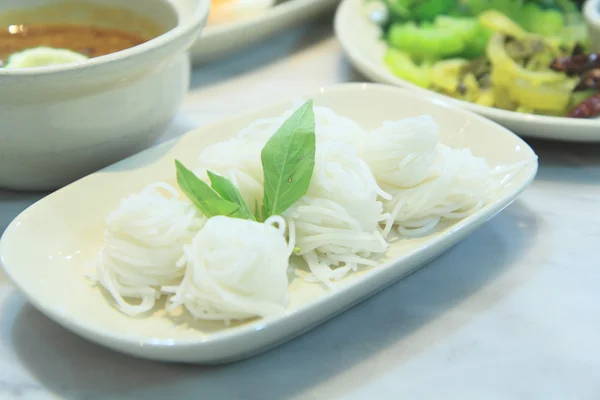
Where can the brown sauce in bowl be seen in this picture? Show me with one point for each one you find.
(88, 40)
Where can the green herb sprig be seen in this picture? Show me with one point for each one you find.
(288, 160)
(223, 198)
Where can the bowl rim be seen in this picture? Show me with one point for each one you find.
(591, 11)
(372, 70)
(198, 17)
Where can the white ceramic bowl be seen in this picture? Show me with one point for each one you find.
(62, 122)
(360, 40)
(591, 11)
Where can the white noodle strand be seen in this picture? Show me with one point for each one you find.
(143, 245)
(236, 269)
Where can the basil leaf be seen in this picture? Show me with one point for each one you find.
(229, 192)
(257, 211)
(202, 196)
(288, 161)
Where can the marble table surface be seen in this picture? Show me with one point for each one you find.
(513, 312)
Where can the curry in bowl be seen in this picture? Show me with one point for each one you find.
(87, 40)
(70, 32)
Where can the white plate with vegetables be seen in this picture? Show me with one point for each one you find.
(244, 234)
(482, 60)
(236, 24)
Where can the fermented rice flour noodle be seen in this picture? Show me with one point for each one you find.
(362, 186)
(327, 236)
(336, 224)
(341, 176)
(429, 181)
(461, 184)
(401, 153)
(330, 126)
(143, 244)
(236, 269)
(261, 130)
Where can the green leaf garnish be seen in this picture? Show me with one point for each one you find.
(288, 161)
(202, 196)
(229, 192)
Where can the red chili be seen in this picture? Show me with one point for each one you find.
(588, 108)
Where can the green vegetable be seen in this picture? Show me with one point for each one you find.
(464, 27)
(425, 43)
(499, 22)
(476, 45)
(403, 66)
(511, 8)
(288, 161)
(446, 37)
(400, 8)
(572, 34)
(475, 37)
(436, 44)
(427, 10)
(578, 97)
(544, 91)
(229, 192)
(420, 10)
(543, 22)
(203, 197)
(446, 75)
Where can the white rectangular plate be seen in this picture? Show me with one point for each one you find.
(46, 249)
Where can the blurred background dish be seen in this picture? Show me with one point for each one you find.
(592, 16)
(227, 11)
(525, 79)
(236, 24)
(103, 80)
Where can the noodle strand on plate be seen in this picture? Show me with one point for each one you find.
(337, 223)
(461, 185)
(236, 269)
(401, 153)
(143, 244)
(329, 126)
(332, 241)
(363, 185)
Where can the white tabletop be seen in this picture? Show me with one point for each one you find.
(513, 312)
